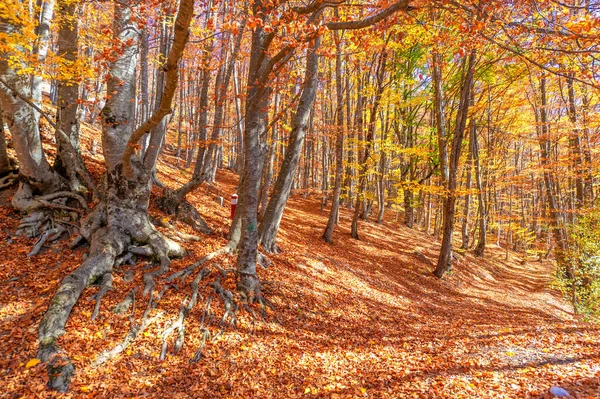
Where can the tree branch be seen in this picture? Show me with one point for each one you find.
(182, 26)
(403, 5)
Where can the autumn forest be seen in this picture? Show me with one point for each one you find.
(313, 198)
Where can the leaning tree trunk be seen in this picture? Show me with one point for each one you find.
(281, 191)
(120, 222)
(445, 259)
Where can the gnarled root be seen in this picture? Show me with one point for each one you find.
(106, 246)
(114, 229)
(48, 216)
(171, 204)
(8, 180)
(173, 232)
(134, 331)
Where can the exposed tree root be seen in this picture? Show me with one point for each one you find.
(188, 270)
(8, 180)
(178, 325)
(106, 246)
(134, 332)
(231, 307)
(198, 355)
(105, 286)
(126, 303)
(174, 233)
(171, 204)
(119, 225)
(52, 234)
(48, 216)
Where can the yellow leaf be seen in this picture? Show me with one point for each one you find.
(510, 353)
(84, 388)
(99, 334)
(32, 362)
(363, 390)
(307, 390)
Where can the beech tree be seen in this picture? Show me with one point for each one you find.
(290, 95)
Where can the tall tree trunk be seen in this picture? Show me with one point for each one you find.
(339, 144)
(445, 258)
(67, 121)
(364, 164)
(482, 209)
(272, 218)
(144, 99)
(550, 181)
(575, 152)
(467, 208)
(440, 114)
(382, 172)
(41, 50)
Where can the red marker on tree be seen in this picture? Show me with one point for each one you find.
(234, 200)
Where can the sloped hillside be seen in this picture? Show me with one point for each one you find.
(354, 319)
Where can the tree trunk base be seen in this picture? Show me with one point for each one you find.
(170, 204)
(117, 225)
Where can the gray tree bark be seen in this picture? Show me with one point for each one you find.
(281, 191)
(445, 258)
(41, 49)
(339, 145)
(68, 154)
(121, 218)
(21, 121)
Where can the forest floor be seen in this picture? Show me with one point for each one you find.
(354, 319)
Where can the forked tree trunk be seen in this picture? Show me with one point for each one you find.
(21, 121)
(121, 219)
(362, 179)
(445, 258)
(270, 224)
